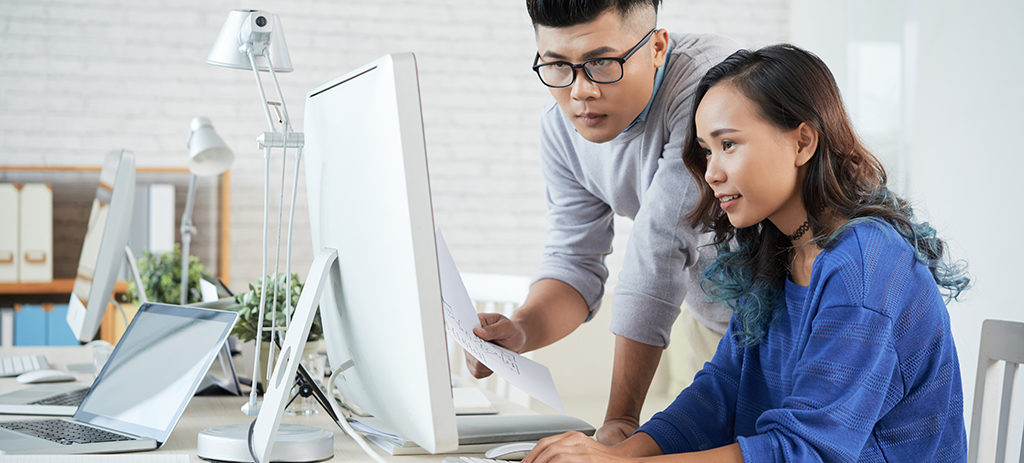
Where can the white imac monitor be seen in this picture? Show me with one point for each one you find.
(369, 198)
(103, 247)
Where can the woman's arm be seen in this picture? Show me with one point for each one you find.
(640, 447)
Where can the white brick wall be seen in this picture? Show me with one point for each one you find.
(79, 78)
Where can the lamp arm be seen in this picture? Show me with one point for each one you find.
(284, 107)
(291, 228)
(259, 86)
(186, 236)
(250, 407)
(277, 259)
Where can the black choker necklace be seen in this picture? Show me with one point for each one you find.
(800, 231)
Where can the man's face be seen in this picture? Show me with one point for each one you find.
(602, 111)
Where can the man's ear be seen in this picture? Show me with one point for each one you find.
(806, 143)
(659, 46)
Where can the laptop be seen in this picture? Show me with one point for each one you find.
(142, 390)
(64, 399)
(44, 399)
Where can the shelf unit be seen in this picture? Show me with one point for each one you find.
(58, 290)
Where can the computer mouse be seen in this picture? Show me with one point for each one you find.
(45, 376)
(511, 451)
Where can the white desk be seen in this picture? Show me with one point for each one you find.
(208, 411)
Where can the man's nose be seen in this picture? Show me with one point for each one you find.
(584, 88)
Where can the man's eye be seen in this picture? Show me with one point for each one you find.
(559, 66)
(600, 62)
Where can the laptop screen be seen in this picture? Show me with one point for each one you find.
(155, 368)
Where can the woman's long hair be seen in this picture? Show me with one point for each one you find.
(843, 181)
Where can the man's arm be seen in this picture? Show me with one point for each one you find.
(551, 311)
(632, 372)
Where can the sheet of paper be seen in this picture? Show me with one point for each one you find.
(460, 319)
(207, 290)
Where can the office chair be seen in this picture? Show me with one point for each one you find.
(1000, 341)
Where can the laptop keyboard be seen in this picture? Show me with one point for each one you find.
(63, 432)
(71, 398)
(18, 364)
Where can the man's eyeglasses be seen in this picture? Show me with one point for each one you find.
(603, 70)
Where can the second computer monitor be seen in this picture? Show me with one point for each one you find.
(103, 246)
(369, 198)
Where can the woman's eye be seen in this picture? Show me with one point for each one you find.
(727, 144)
(707, 152)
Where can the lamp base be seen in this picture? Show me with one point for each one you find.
(293, 442)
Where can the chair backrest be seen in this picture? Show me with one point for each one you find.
(1001, 341)
(492, 293)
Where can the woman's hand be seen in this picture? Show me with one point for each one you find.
(572, 447)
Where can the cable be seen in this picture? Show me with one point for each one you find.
(344, 422)
(252, 450)
(124, 317)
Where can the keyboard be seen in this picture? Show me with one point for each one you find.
(471, 460)
(16, 365)
(71, 398)
(63, 432)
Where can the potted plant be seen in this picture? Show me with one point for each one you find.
(161, 278)
(248, 307)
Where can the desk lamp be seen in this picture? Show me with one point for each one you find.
(208, 156)
(254, 40)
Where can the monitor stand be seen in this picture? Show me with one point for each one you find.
(266, 439)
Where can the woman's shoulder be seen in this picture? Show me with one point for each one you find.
(869, 237)
(867, 257)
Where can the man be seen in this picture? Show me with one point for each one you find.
(612, 144)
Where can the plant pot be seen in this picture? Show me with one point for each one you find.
(311, 348)
(313, 361)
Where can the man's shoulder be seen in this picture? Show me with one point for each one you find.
(697, 45)
(698, 52)
(690, 57)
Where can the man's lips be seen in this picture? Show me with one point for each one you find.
(591, 119)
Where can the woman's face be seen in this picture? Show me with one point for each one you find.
(754, 167)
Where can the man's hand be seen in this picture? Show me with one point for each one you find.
(500, 330)
(614, 431)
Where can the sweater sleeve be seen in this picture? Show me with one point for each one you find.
(702, 415)
(839, 386)
(580, 228)
(662, 246)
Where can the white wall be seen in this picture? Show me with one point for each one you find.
(965, 164)
(81, 77)
(961, 112)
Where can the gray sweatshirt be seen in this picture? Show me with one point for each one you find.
(639, 175)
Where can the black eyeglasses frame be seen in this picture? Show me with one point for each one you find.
(621, 60)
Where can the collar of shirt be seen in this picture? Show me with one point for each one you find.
(658, 77)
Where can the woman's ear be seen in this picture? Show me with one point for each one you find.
(807, 143)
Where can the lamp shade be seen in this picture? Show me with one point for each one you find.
(254, 29)
(207, 152)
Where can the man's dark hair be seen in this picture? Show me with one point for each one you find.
(565, 13)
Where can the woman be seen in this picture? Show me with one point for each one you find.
(840, 346)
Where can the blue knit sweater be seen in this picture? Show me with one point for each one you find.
(859, 367)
